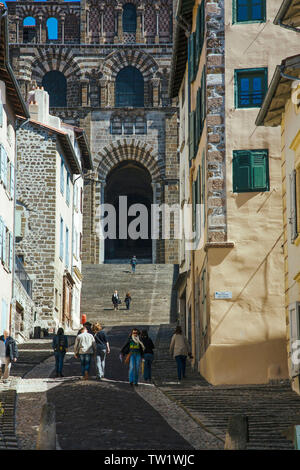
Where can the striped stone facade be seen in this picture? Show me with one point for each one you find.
(90, 63)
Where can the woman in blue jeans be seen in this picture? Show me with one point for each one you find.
(180, 349)
(135, 348)
(60, 346)
(148, 354)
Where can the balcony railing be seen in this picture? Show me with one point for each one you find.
(23, 276)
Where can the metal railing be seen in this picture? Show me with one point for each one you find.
(23, 276)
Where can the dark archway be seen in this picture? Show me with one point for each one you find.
(55, 84)
(129, 18)
(130, 179)
(129, 88)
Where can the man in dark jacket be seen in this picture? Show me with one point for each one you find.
(8, 353)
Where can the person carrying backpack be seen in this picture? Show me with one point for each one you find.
(133, 263)
(60, 347)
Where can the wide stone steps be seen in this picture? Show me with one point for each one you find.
(151, 289)
(272, 409)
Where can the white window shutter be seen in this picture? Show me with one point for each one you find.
(3, 243)
(2, 155)
(1, 238)
(5, 168)
(10, 251)
(12, 180)
(293, 205)
(294, 336)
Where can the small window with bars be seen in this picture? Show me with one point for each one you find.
(116, 125)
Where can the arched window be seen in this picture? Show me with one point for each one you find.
(129, 88)
(29, 29)
(52, 29)
(72, 29)
(55, 84)
(129, 18)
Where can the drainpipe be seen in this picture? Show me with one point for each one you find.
(14, 218)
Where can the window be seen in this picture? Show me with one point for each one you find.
(68, 189)
(140, 125)
(250, 171)
(129, 88)
(192, 57)
(6, 245)
(55, 84)
(128, 125)
(7, 172)
(294, 204)
(192, 125)
(203, 302)
(249, 11)
(62, 176)
(61, 239)
(67, 247)
(52, 29)
(250, 87)
(116, 125)
(294, 317)
(129, 18)
(29, 29)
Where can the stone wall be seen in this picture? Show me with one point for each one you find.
(36, 187)
(216, 166)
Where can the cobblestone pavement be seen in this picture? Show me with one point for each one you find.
(106, 415)
(109, 415)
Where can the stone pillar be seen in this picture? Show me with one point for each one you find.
(84, 22)
(157, 24)
(101, 24)
(110, 94)
(43, 30)
(63, 29)
(171, 183)
(17, 28)
(100, 193)
(139, 34)
(103, 93)
(119, 33)
(154, 240)
(155, 92)
(84, 92)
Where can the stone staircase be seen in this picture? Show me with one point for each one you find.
(151, 289)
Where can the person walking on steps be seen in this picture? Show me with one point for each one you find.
(60, 347)
(127, 300)
(180, 349)
(84, 347)
(115, 300)
(133, 263)
(8, 354)
(148, 354)
(102, 348)
(133, 349)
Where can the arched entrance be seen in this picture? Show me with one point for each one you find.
(131, 179)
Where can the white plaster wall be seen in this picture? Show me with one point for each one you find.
(6, 201)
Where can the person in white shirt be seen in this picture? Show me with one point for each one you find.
(85, 347)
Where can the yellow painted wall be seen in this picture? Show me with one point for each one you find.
(248, 332)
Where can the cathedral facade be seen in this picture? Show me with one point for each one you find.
(106, 65)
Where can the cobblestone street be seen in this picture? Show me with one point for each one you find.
(110, 415)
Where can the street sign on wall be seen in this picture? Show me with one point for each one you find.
(223, 295)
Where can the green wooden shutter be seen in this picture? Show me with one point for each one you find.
(192, 135)
(202, 25)
(194, 206)
(203, 97)
(12, 180)
(260, 177)
(203, 187)
(242, 172)
(198, 35)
